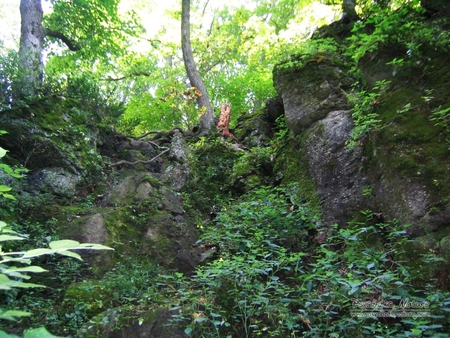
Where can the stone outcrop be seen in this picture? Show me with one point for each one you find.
(310, 92)
(390, 170)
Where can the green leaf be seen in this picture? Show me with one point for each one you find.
(26, 285)
(64, 244)
(33, 268)
(199, 319)
(16, 274)
(8, 284)
(11, 314)
(10, 238)
(71, 254)
(39, 333)
(37, 253)
(2, 152)
(4, 188)
(68, 244)
(416, 332)
(93, 246)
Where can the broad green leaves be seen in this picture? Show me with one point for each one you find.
(32, 333)
(7, 270)
(94, 26)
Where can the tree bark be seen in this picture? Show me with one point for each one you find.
(207, 118)
(224, 120)
(30, 50)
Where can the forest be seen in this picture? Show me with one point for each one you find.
(200, 168)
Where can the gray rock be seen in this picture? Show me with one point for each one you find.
(311, 92)
(54, 180)
(177, 172)
(178, 150)
(95, 230)
(335, 167)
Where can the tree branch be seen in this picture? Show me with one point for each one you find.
(63, 38)
(133, 74)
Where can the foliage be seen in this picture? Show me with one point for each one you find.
(15, 265)
(253, 167)
(397, 28)
(8, 74)
(365, 115)
(235, 49)
(245, 291)
(95, 27)
(276, 273)
(441, 117)
(274, 270)
(404, 31)
(310, 51)
(214, 181)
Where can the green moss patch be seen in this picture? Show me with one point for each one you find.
(410, 143)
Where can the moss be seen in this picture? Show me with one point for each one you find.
(56, 132)
(291, 166)
(411, 144)
(152, 180)
(90, 296)
(163, 246)
(433, 250)
(248, 123)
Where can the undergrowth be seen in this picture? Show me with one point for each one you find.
(275, 274)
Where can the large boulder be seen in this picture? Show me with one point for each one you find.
(309, 92)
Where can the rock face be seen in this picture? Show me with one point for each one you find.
(59, 143)
(310, 92)
(397, 171)
(335, 167)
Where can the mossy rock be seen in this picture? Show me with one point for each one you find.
(55, 132)
(292, 166)
(428, 258)
(254, 130)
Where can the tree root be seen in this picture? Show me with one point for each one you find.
(140, 161)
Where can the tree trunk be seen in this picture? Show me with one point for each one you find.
(30, 49)
(207, 119)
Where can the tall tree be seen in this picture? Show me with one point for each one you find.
(30, 51)
(207, 118)
(93, 28)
